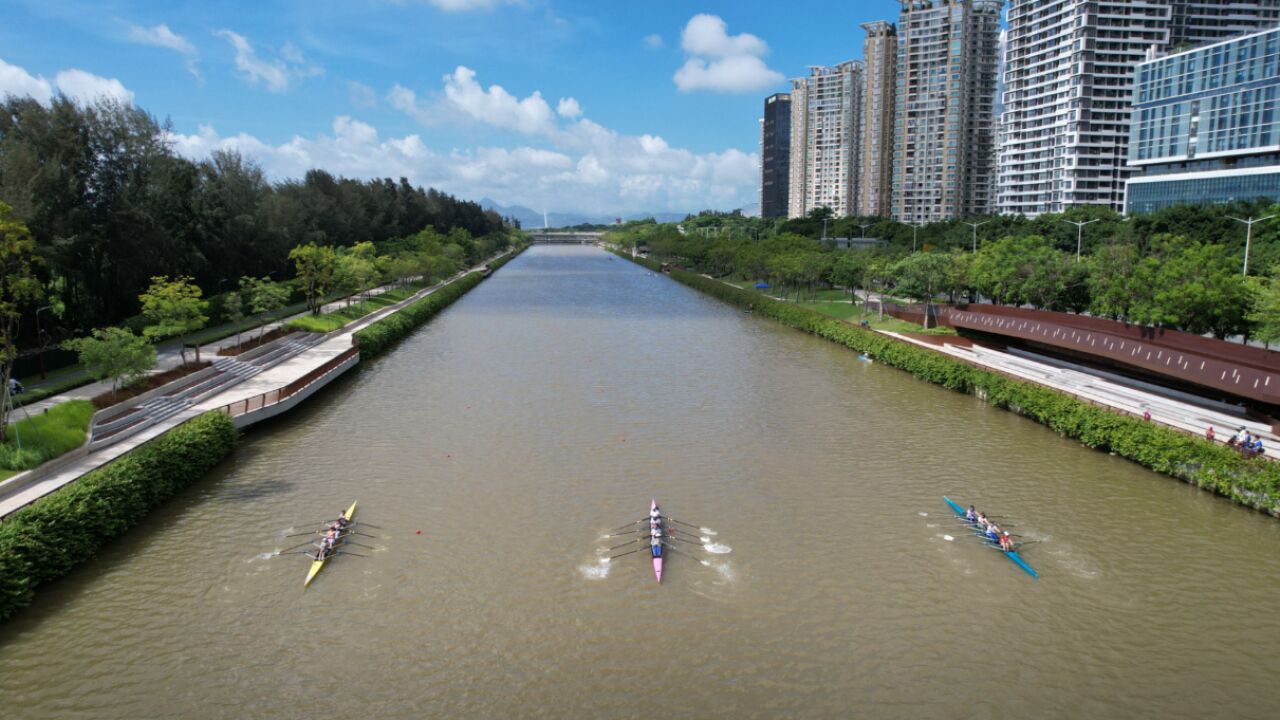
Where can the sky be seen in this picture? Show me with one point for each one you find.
(604, 106)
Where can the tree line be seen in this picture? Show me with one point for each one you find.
(1180, 269)
(109, 204)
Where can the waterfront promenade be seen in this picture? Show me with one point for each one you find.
(25, 488)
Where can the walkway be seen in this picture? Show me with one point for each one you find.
(169, 355)
(15, 494)
(1179, 410)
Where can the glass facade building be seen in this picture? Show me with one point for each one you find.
(1206, 125)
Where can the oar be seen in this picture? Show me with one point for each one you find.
(344, 552)
(629, 542)
(629, 532)
(313, 532)
(366, 547)
(681, 522)
(368, 525)
(614, 557)
(291, 547)
(681, 552)
(637, 522)
(353, 532)
(684, 541)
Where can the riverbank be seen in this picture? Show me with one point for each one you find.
(1253, 483)
(46, 537)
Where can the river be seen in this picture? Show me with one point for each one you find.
(494, 447)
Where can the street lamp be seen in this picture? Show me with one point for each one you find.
(40, 335)
(975, 227)
(864, 230)
(824, 229)
(1248, 237)
(1080, 232)
(915, 233)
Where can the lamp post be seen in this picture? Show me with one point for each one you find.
(1080, 232)
(824, 229)
(975, 227)
(864, 230)
(40, 338)
(915, 233)
(1248, 237)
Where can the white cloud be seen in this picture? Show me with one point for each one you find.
(162, 36)
(497, 107)
(18, 82)
(361, 95)
(276, 74)
(653, 41)
(568, 108)
(721, 62)
(591, 166)
(85, 87)
(78, 85)
(464, 5)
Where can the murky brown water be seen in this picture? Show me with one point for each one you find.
(551, 404)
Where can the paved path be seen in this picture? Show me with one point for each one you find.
(169, 356)
(272, 379)
(1174, 408)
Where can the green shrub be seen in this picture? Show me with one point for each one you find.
(45, 540)
(386, 332)
(45, 436)
(1255, 483)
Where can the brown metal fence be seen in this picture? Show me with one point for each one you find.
(271, 397)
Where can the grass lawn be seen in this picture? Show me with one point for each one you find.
(339, 318)
(834, 302)
(45, 436)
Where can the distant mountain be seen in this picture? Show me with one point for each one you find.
(533, 219)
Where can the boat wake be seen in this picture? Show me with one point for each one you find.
(599, 571)
(923, 514)
(948, 538)
(707, 531)
(717, 548)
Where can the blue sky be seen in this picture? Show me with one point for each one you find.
(606, 106)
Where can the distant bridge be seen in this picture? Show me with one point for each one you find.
(543, 237)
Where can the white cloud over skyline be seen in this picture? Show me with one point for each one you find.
(560, 158)
(721, 62)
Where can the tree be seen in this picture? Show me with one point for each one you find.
(264, 297)
(1265, 315)
(1191, 286)
(1111, 290)
(848, 271)
(18, 287)
(921, 276)
(233, 310)
(114, 353)
(174, 308)
(317, 267)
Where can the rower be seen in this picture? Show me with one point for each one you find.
(993, 532)
(971, 515)
(341, 523)
(1006, 542)
(655, 545)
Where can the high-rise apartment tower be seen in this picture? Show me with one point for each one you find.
(1068, 87)
(875, 174)
(775, 156)
(826, 111)
(943, 153)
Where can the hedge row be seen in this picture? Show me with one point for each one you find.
(381, 335)
(43, 541)
(1255, 483)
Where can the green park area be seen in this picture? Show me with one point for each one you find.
(40, 437)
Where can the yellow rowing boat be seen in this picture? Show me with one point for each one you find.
(317, 564)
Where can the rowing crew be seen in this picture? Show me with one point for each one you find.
(332, 535)
(994, 534)
(655, 531)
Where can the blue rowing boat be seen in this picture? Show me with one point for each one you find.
(1012, 554)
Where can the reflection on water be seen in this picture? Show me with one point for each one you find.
(497, 445)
